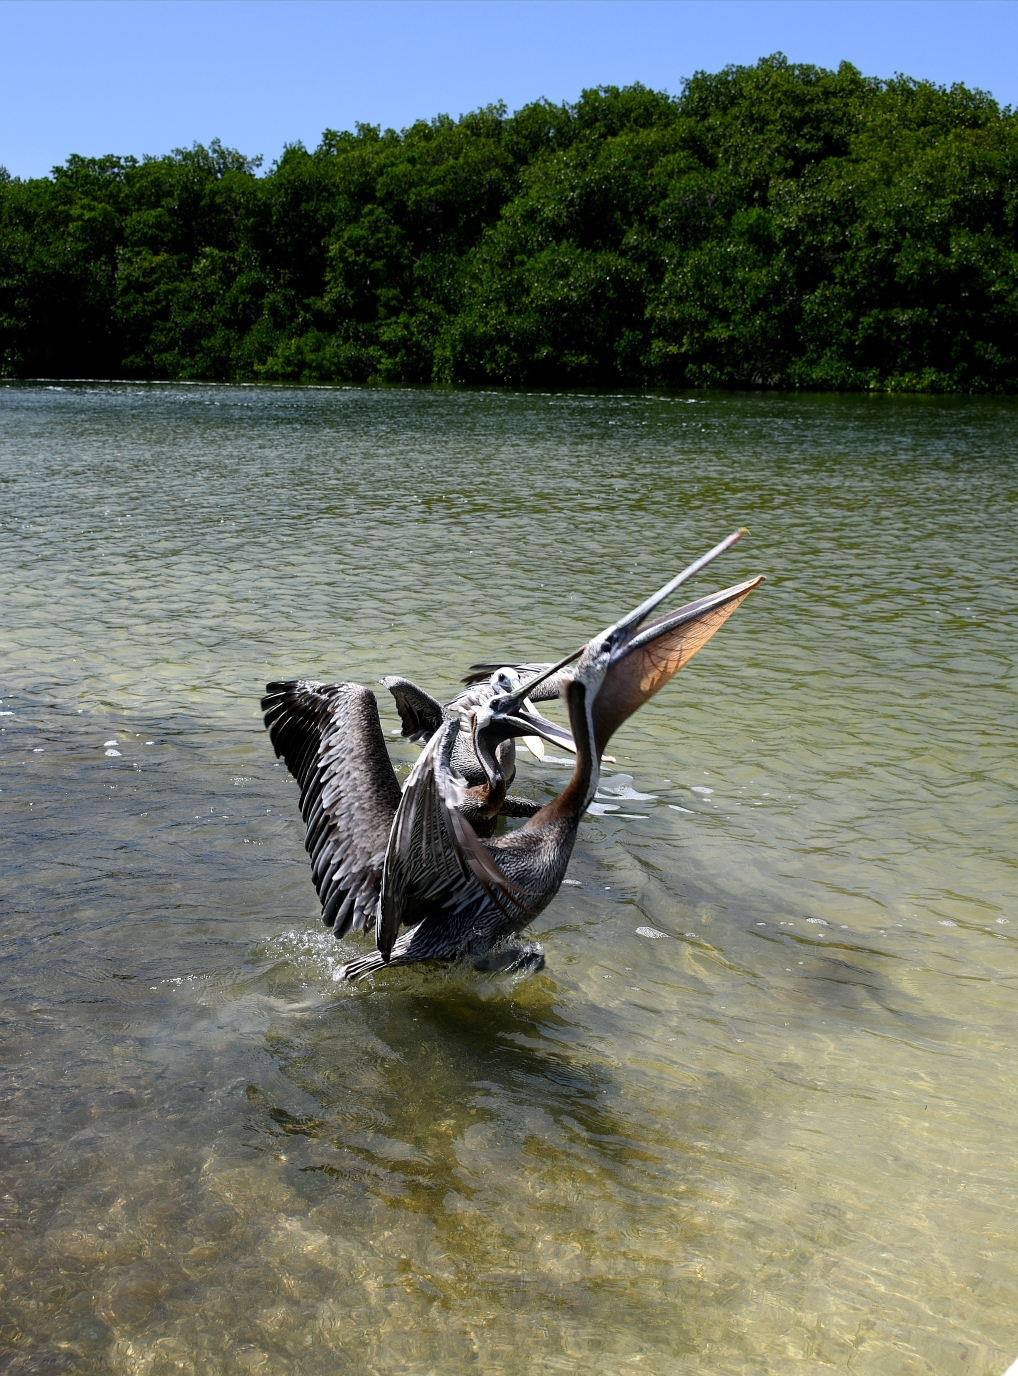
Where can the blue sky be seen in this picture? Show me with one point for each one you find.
(144, 76)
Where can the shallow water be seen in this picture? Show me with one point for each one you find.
(781, 1136)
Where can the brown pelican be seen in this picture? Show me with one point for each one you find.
(462, 896)
(359, 826)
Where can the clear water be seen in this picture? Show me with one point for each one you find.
(780, 1137)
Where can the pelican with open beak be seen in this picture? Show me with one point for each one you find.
(462, 896)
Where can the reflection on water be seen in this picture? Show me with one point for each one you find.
(779, 1136)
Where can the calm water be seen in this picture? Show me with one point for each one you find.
(781, 1137)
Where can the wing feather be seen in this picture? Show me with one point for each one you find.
(420, 713)
(330, 738)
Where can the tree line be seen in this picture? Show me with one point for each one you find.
(777, 225)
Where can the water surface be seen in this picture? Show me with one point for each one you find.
(779, 1137)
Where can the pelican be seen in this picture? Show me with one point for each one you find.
(464, 897)
(413, 859)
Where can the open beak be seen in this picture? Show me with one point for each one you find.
(698, 611)
(629, 623)
(529, 724)
(535, 744)
(633, 619)
(643, 662)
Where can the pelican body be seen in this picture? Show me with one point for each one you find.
(412, 859)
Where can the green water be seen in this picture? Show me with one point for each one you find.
(780, 1138)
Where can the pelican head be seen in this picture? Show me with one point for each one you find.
(473, 707)
(627, 663)
(630, 661)
(497, 709)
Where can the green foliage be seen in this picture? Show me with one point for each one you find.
(777, 225)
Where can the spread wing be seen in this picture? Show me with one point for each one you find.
(435, 861)
(331, 739)
(420, 713)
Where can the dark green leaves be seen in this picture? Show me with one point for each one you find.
(777, 225)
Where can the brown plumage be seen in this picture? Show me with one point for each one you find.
(463, 896)
(413, 859)
(331, 738)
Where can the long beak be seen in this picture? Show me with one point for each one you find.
(525, 689)
(640, 613)
(532, 724)
(692, 611)
(644, 663)
(520, 695)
